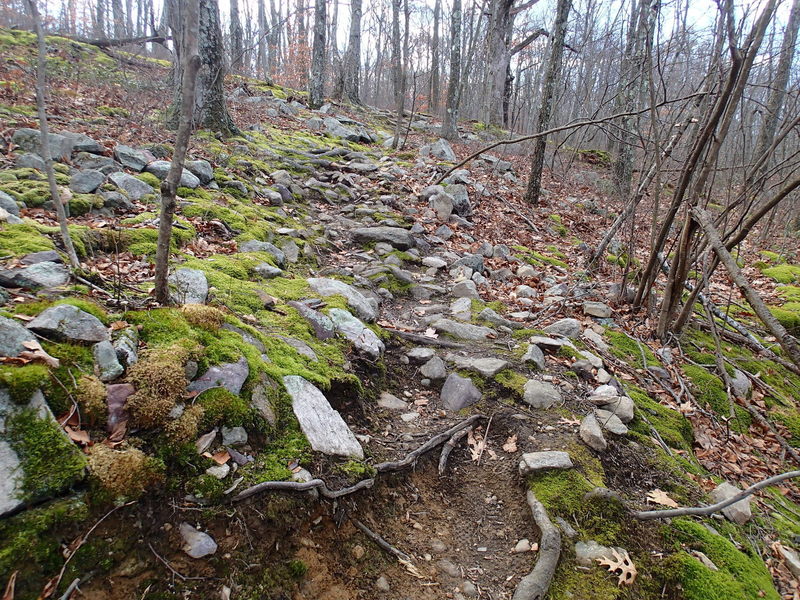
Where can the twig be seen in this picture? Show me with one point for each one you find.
(708, 510)
(72, 587)
(165, 562)
(380, 541)
(765, 422)
(535, 585)
(449, 447)
(485, 440)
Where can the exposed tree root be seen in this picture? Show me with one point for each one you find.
(534, 586)
(449, 447)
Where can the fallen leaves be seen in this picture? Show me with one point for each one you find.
(34, 353)
(660, 497)
(511, 444)
(621, 565)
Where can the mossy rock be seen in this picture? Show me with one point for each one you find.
(783, 273)
(19, 240)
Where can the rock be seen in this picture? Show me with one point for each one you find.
(420, 355)
(741, 386)
(524, 545)
(230, 376)
(792, 560)
(12, 337)
(622, 406)
(28, 140)
(547, 343)
(30, 161)
(267, 271)
(299, 345)
(355, 299)
(83, 143)
(363, 338)
(382, 584)
(738, 512)
(189, 286)
(133, 158)
(259, 400)
(116, 396)
(201, 169)
(463, 331)
(136, 189)
(534, 355)
(485, 367)
(219, 471)
(42, 256)
(459, 392)
(9, 204)
(527, 272)
(489, 315)
(334, 127)
(587, 553)
(234, 436)
(67, 322)
(196, 543)
(583, 369)
(442, 150)
(444, 232)
(105, 358)
(323, 327)
(533, 462)
(591, 433)
(461, 309)
(160, 168)
(434, 369)
(322, 425)
(525, 291)
(291, 251)
(408, 417)
(469, 589)
(595, 338)
(438, 546)
(126, 346)
(570, 328)
(597, 309)
(442, 205)
(466, 289)
(42, 275)
(86, 181)
(461, 204)
(473, 261)
(256, 246)
(434, 262)
(391, 402)
(397, 237)
(448, 568)
(540, 394)
(610, 422)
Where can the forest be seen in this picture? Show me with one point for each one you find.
(434, 299)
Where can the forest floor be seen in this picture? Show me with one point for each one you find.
(435, 296)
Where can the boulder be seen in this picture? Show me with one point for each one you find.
(533, 462)
(67, 322)
(362, 337)
(9, 204)
(540, 394)
(434, 369)
(324, 427)
(466, 289)
(355, 299)
(485, 367)
(459, 392)
(256, 246)
(534, 356)
(395, 236)
(738, 512)
(189, 286)
(230, 376)
(323, 327)
(461, 204)
(83, 143)
(86, 181)
(105, 358)
(30, 161)
(570, 328)
(597, 309)
(442, 150)
(160, 168)
(132, 158)
(42, 275)
(442, 205)
(136, 189)
(201, 169)
(591, 434)
(28, 140)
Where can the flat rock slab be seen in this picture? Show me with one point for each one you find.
(420, 355)
(324, 427)
(610, 422)
(355, 299)
(391, 402)
(570, 328)
(67, 322)
(597, 309)
(547, 343)
(459, 392)
(533, 462)
(230, 376)
(362, 337)
(434, 369)
(44, 274)
(485, 367)
(323, 327)
(540, 394)
(397, 237)
(136, 189)
(301, 347)
(189, 286)
(464, 331)
(256, 246)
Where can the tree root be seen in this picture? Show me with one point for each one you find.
(382, 543)
(449, 447)
(534, 586)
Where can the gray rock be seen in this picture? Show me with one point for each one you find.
(116, 201)
(464, 331)
(461, 309)
(336, 128)
(792, 560)
(67, 322)
(533, 462)
(434, 369)
(444, 232)
(355, 299)
(491, 316)
(741, 386)
(42, 275)
(230, 376)
(466, 289)
(42, 256)
(362, 337)
(83, 143)
(396, 236)
(459, 392)
(28, 140)
(160, 168)
(391, 402)
(485, 367)
(189, 286)
(442, 205)
(291, 251)
(259, 400)
(382, 584)
(434, 262)
(196, 544)
(622, 406)
(301, 347)
(323, 327)
(610, 422)
(267, 271)
(442, 150)
(30, 161)
(132, 158)
(473, 261)
(219, 471)
(420, 355)
(540, 394)
(9, 204)
(562, 289)
(136, 189)
(461, 204)
(86, 181)
(324, 427)
(256, 246)
(738, 512)
(587, 553)
(126, 345)
(597, 309)
(234, 436)
(591, 434)
(570, 328)
(534, 355)
(12, 337)
(201, 169)
(105, 357)
(525, 291)
(104, 164)
(448, 568)
(527, 272)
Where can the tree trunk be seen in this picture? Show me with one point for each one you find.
(262, 68)
(352, 59)
(169, 187)
(450, 122)
(237, 48)
(435, 60)
(397, 70)
(210, 109)
(548, 93)
(316, 83)
(119, 18)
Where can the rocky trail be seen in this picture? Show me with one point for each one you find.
(278, 432)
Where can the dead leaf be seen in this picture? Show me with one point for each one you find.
(221, 457)
(564, 421)
(79, 436)
(511, 444)
(621, 565)
(476, 445)
(431, 333)
(24, 317)
(660, 497)
(205, 441)
(117, 325)
(36, 353)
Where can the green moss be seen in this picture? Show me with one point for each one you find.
(76, 361)
(788, 315)
(772, 257)
(51, 461)
(511, 380)
(206, 487)
(22, 382)
(113, 111)
(790, 293)
(672, 426)
(628, 350)
(150, 179)
(710, 390)
(741, 574)
(783, 273)
(19, 240)
(34, 308)
(594, 584)
(223, 408)
(356, 469)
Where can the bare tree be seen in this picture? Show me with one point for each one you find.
(316, 83)
(450, 122)
(211, 111)
(435, 60)
(237, 46)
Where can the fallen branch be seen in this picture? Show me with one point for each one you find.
(423, 339)
(708, 510)
(111, 43)
(382, 543)
(177, 574)
(535, 585)
(449, 447)
(767, 424)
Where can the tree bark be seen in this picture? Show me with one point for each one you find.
(436, 92)
(237, 48)
(316, 83)
(210, 109)
(169, 187)
(450, 122)
(352, 59)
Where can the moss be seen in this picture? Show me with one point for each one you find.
(19, 240)
(741, 574)
(91, 397)
(51, 461)
(710, 390)
(356, 470)
(34, 308)
(672, 426)
(113, 111)
(511, 380)
(790, 293)
(220, 407)
(206, 487)
(186, 427)
(81, 204)
(22, 382)
(772, 257)
(150, 179)
(202, 315)
(788, 315)
(783, 273)
(628, 350)
(124, 473)
(76, 361)
(160, 381)
(594, 584)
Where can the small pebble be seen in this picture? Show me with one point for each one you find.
(382, 584)
(523, 545)
(358, 551)
(468, 589)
